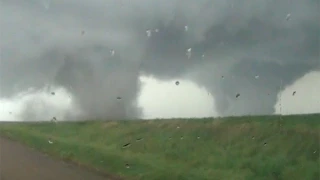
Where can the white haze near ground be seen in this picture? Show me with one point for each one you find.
(306, 99)
(160, 99)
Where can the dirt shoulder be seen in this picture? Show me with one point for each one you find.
(18, 162)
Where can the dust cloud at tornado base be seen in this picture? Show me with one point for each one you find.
(98, 49)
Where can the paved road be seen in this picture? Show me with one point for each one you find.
(18, 162)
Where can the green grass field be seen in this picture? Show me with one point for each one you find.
(234, 148)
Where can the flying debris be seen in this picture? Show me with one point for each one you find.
(238, 95)
(186, 28)
(112, 52)
(127, 166)
(148, 33)
(119, 98)
(54, 119)
(189, 53)
(126, 145)
(177, 83)
(288, 17)
(294, 93)
(53, 93)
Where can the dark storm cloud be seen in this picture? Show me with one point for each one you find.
(97, 48)
(242, 40)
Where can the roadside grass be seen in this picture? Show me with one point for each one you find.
(239, 148)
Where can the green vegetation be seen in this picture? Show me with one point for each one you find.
(239, 148)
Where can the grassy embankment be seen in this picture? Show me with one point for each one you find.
(248, 148)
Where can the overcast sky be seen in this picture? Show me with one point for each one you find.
(233, 57)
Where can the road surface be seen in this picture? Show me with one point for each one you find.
(18, 162)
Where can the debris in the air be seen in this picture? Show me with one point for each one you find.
(181, 137)
(198, 137)
(265, 144)
(257, 77)
(222, 77)
(294, 93)
(53, 93)
(253, 137)
(139, 139)
(127, 166)
(314, 152)
(178, 127)
(50, 141)
(54, 119)
(186, 28)
(126, 145)
(237, 95)
(288, 17)
(119, 98)
(148, 33)
(112, 52)
(177, 83)
(189, 53)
